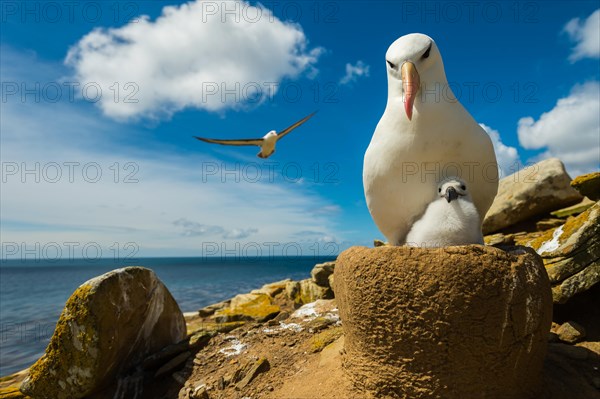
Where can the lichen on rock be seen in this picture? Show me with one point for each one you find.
(249, 307)
(571, 253)
(108, 325)
(588, 185)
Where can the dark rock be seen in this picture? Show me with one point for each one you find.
(379, 243)
(570, 351)
(172, 364)
(192, 343)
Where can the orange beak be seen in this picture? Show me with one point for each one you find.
(411, 82)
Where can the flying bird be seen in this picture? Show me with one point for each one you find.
(423, 136)
(451, 219)
(266, 143)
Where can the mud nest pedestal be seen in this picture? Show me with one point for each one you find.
(457, 322)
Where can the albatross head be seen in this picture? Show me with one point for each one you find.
(271, 135)
(452, 188)
(413, 61)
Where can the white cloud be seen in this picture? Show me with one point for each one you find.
(206, 55)
(586, 35)
(353, 72)
(162, 202)
(507, 157)
(569, 131)
(238, 234)
(195, 229)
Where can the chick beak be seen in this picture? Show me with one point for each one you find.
(411, 83)
(451, 194)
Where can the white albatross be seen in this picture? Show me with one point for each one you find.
(266, 143)
(451, 219)
(424, 136)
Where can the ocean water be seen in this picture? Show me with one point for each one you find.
(33, 293)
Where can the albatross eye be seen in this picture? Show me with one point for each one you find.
(463, 187)
(426, 53)
(439, 190)
(393, 66)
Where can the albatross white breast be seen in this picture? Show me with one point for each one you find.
(424, 136)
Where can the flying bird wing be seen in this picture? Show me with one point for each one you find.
(257, 142)
(295, 125)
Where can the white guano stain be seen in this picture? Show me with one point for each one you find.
(552, 244)
(234, 349)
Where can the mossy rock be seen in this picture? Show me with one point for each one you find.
(571, 253)
(250, 307)
(588, 185)
(12, 393)
(573, 210)
(198, 325)
(307, 291)
(108, 326)
(321, 272)
(319, 341)
(272, 289)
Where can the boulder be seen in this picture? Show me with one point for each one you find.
(533, 191)
(307, 291)
(321, 272)
(588, 185)
(272, 289)
(248, 307)
(454, 322)
(571, 253)
(108, 326)
(379, 243)
(570, 332)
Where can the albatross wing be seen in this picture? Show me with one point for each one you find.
(295, 125)
(238, 142)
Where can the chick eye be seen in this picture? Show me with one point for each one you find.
(463, 187)
(426, 53)
(439, 190)
(390, 64)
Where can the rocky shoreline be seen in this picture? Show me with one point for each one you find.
(286, 339)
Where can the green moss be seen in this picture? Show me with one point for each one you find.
(571, 226)
(308, 291)
(259, 308)
(324, 338)
(12, 393)
(215, 327)
(56, 358)
(588, 185)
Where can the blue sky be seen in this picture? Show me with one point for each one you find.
(100, 100)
